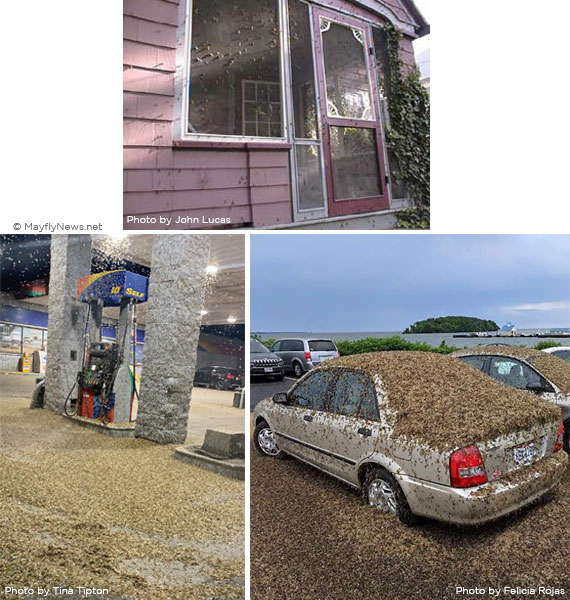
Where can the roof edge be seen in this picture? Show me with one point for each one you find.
(423, 26)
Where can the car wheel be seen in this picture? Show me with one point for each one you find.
(297, 369)
(382, 491)
(265, 442)
(219, 385)
(566, 437)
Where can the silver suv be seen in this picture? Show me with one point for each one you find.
(302, 354)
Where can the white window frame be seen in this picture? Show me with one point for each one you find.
(182, 79)
(256, 83)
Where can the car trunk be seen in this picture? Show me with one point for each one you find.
(322, 350)
(503, 455)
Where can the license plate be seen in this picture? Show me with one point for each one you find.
(323, 358)
(524, 454)
(268, 370)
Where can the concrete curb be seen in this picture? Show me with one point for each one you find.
(233, 467)
(112, 430)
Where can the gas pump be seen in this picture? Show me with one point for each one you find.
(105, 383)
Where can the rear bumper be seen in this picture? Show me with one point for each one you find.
(487, 502)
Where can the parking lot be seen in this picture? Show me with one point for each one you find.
(314, 537)
(265, 388)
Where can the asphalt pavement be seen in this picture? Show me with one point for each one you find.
(260, 389)
(17, 385)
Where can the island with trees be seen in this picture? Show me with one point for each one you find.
(452, 325)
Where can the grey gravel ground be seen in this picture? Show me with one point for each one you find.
(80, 508)
(314, 538)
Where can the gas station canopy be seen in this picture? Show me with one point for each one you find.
(111, 286)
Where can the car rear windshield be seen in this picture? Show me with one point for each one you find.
(256, 347)
(322, 346)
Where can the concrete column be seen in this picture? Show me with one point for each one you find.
(95, 321)
(70, 260)
(122, 386)
(175, 299)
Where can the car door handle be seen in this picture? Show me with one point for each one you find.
(364, 432)
(308, 418)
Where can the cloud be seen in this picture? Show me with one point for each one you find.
(543, 306)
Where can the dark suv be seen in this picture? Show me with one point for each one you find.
(264, 363)
(220, 378)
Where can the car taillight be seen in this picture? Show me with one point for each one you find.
(559, 436)
(467, 468)
(307, 356)
(230, 376)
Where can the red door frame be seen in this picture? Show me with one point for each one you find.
(360, 205)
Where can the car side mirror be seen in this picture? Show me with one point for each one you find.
(533, 386)
(280, 398)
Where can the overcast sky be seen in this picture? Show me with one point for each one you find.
(385, 282)
(424, 42)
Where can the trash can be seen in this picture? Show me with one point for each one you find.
(25, 363)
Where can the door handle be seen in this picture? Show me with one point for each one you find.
(308, 418)
(364, 432)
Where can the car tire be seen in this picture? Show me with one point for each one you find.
(262, 441)
(381, 490)
(219, 385)
(566, 437)
(297, 369)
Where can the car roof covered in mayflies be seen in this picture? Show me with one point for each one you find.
(552, 367)
(444, 403)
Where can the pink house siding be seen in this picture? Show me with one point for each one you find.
(162, 177)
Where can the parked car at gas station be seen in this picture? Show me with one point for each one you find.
(220, 378)
(420, 434)
(527, 369)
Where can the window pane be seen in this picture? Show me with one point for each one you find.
(475, 361)
(303, 78)
(312, 392)
(235, 85)
(563, 354)
(513, 373)
(10, 338)
(354, 163)
(309, 177)
(346, 72)
(354, 395)
(32, 339)
(322, 345)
